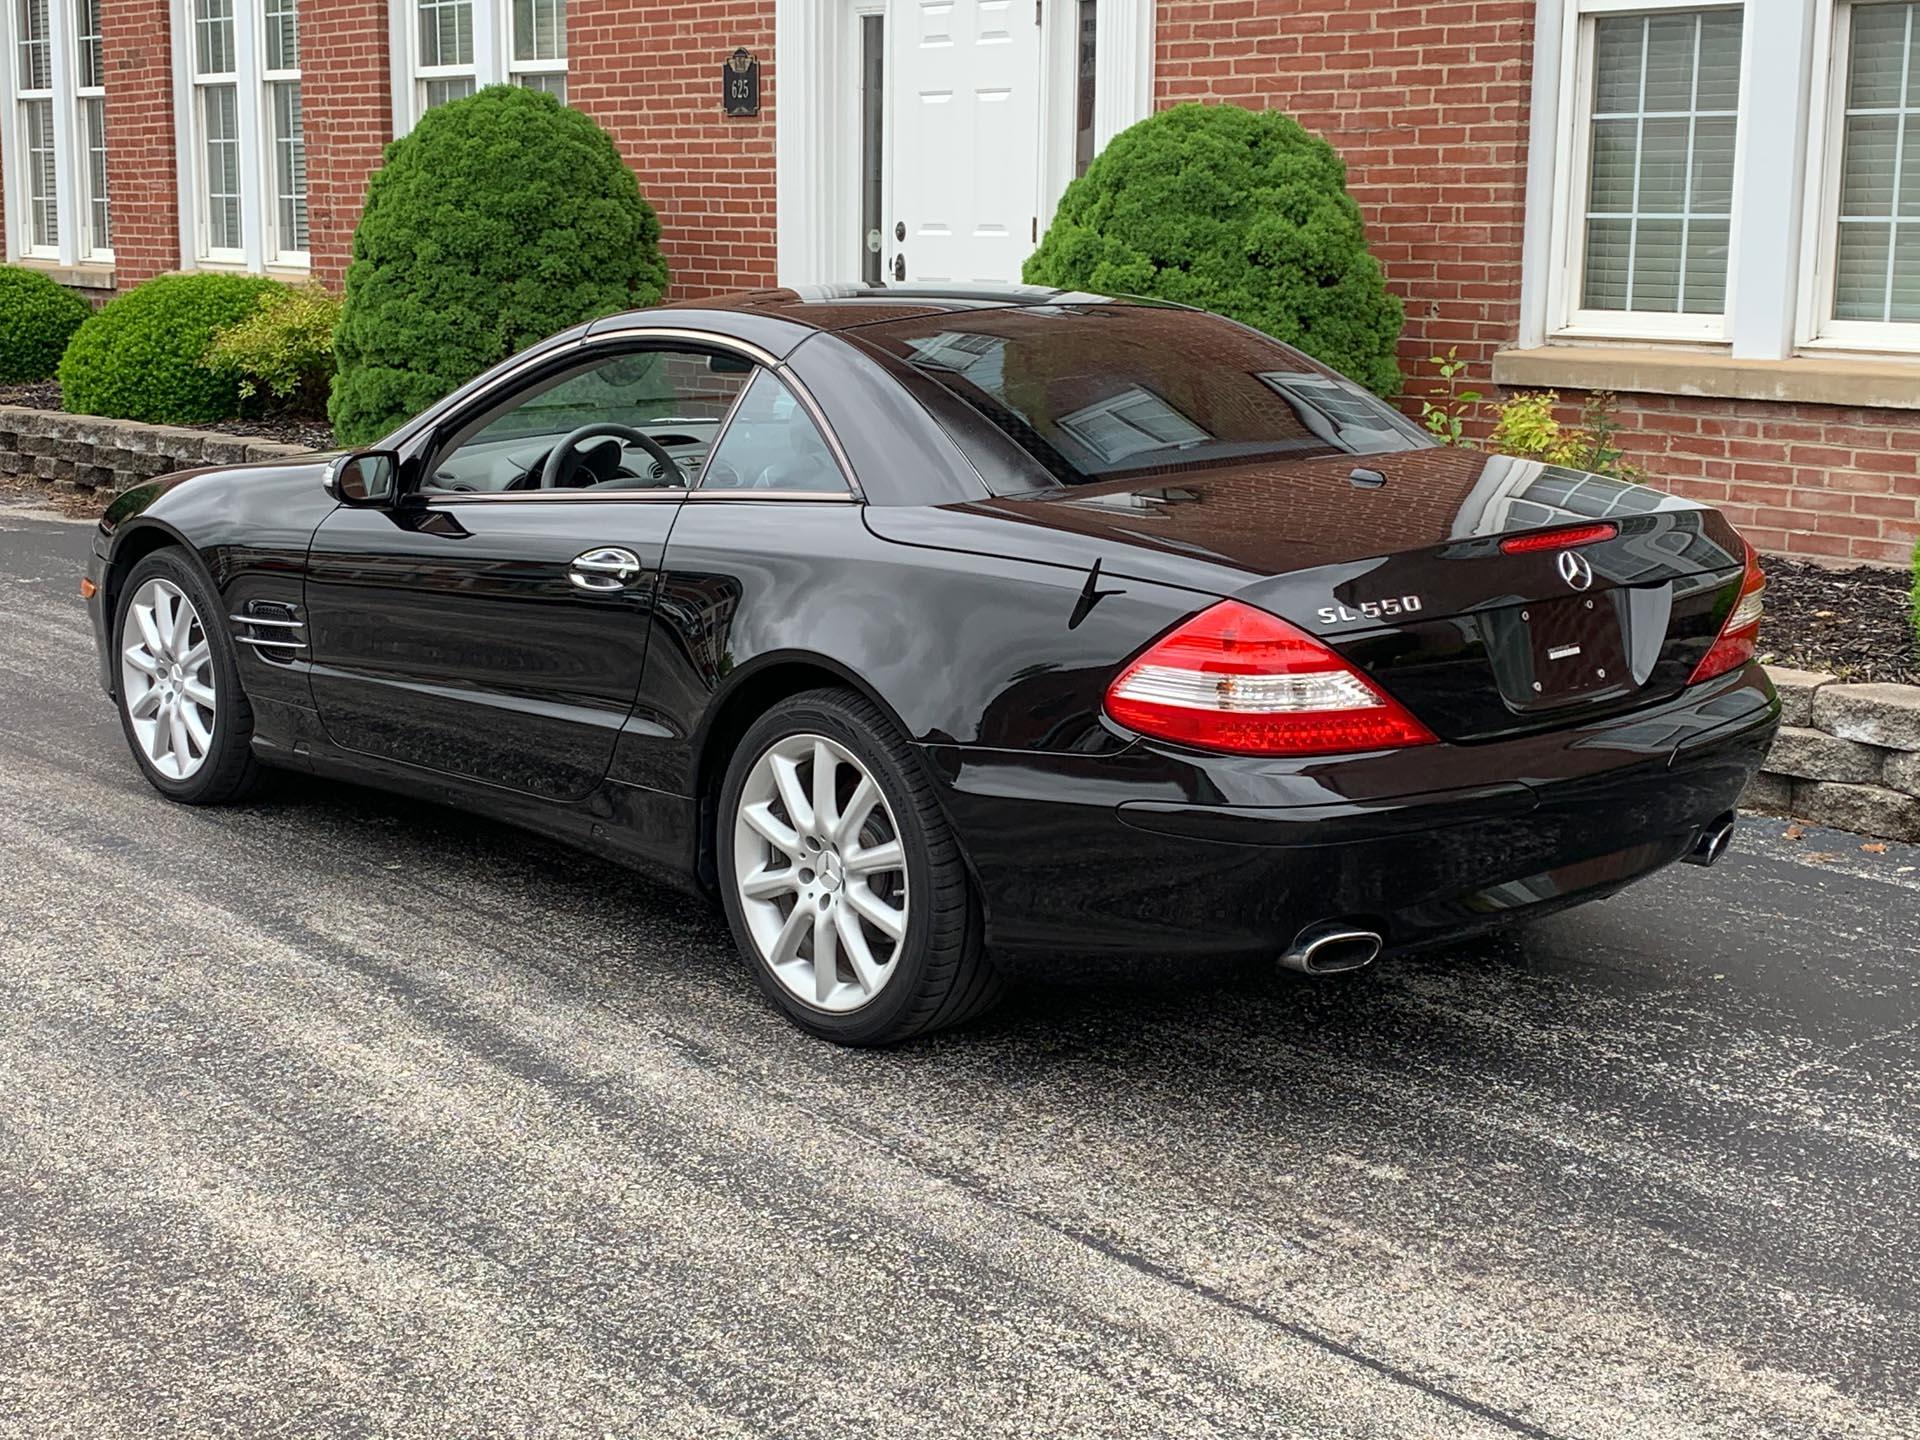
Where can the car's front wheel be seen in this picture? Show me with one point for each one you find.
(186, 719)
(842, 878)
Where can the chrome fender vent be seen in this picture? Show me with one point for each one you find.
(273, 628)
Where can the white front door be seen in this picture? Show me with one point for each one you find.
(964, 139)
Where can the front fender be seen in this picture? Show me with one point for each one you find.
(242, 525)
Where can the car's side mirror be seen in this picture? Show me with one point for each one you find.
(364, 478)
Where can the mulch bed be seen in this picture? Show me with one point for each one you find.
(1856, 624)
(44, 395)
(314, 434)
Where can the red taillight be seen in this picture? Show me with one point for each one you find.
(1237, 679)
(1565, 538)
(1740, 635)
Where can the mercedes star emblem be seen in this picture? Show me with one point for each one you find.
(1574, 569)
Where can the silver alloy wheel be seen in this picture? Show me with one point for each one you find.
(166, 679)
(820, 873)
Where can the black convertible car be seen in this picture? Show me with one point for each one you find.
(942, 632)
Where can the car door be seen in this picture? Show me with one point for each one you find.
(487, 625)
(775, 510)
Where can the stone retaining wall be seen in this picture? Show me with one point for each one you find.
(1847, 756)
(90, 452)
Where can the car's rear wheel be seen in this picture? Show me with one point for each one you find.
(842, 878)
(185, 717)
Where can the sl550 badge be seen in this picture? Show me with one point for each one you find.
(1369, 610)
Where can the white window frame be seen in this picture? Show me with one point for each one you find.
(1765, 283)
(522, 72)
(49, 96)
(71, 190)
(259, 250)
(493, 62)
(82, 185)
(1567, 318)
(281, 250)
(1817, 328)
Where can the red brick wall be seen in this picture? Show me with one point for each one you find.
(1427, 104)
(347, 110)
(140, 139)
(651, 75)
(1812, 480)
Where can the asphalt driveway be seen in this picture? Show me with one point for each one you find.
(339, 1115)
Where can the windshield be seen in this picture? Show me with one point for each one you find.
(1100, 391)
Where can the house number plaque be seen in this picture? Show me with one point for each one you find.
(740, 84)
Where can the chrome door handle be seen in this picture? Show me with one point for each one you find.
(604, 569)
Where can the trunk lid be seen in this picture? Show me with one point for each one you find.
(1396, 562)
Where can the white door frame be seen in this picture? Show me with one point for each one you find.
(817, 118)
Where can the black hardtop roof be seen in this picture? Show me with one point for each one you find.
(778, 320)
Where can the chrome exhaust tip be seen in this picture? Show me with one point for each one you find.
(1331, 949)
(1712, 843)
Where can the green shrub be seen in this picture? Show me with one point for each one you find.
(37, 318)
(1233, 210)
(499, 220)
(1526, 424)
(143, 356)
(1916, 601)
(283, 349)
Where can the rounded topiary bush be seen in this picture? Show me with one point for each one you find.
(143, 357)
(37, 318)
(1233, 210)
(500, 219)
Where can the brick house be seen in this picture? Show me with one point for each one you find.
(1703, 207)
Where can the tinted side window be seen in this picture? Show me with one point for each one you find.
(677, 398)
(772, 444)
(639, 389)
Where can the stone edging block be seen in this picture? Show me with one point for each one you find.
(1847, 756)
(93, 452)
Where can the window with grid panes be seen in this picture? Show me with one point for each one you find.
(1876, 252)
(1663, 119)
(243, 164)
(444, 58)
(55, 166)
(34, 99)
(287, 145)
(457, 46)
(539, 56)
(90, 103)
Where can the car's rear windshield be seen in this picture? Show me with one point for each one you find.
(1100, 391)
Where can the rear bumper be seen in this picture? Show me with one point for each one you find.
(1149, 854)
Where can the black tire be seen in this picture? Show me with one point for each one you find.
(229, 771)
(941, 975)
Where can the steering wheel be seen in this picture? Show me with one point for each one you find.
(555, 465)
